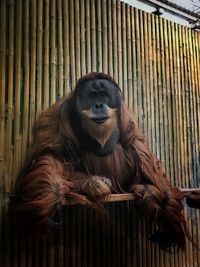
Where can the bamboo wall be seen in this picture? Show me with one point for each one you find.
(45, 46)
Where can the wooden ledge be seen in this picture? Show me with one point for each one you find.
(129, 196)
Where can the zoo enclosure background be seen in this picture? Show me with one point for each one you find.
(46, 46)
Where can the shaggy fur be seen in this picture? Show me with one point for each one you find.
(58, 171)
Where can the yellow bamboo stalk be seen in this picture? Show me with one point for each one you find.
(138, 56)
(119, 37)
(83, 67)
(53, 51)
(32, 65)
(194, 133)
(110, 42)
(197, 44)
(151, 89)
(17, 94)
(194, 105)
(93, 36)
(157, 85)
(184, 138)
(3, 257)
(197, 83)
(88, 40)
(135, 106)
(175, 107)
(197, 75)
(129, 59)
(9, 152)
(115, 41)
(196, 49)
(170, 79)
(39, 58)
(77, 40)
(155, 97)
(179, 124)
(182, 109)
(146, 80)
(60, 48)
(105, 38)
(2, 84)
(178, 110)
(26, 80)
(143, 74)
(189, 161)
(167, 101)
(46, 55)
(99, 35)
(124, 53)
(66, 46)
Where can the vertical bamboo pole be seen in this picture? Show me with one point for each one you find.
(17, 94)
(178, 119)
(154, 98)
(25, 122)
(99, 36)
(9, 144)
(143, 75)
(184, 135)
(124, 53)
(119, 37)
(32, 64)
(196, 46)
(170, 79)
(189, 161)
(165, 77)
(17, 111)
(151, 144)
(110, 42)
(164, 63)
(197, 75)
(88, 36)
(144, 118)
(133, 44)
(139, 88)
(115, 41)
(46, 55)
(157, 86)
(93, 36)
(147, 79)
(60, 48)
(181, 107)
(174, 107)
(193, 106)
(53, 51)
(105, 36)
(2, 115)
(66, 47)
(26, 80)
(197, 91)
(129, 59)
(2, 88)
(77, 40)
(193, 177)
(39, 58)
(9, 134)
(83, 62)
(72, 45)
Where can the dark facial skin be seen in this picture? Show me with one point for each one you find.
(94, 115)
(97, 96)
